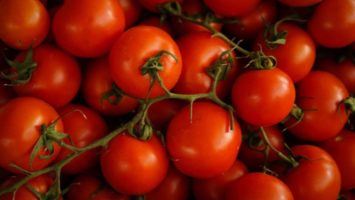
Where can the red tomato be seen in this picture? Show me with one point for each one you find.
(320, 95)
(24, 23)
(175, 186)
(20, 128)
(271, 91)
(300, 3)
(258, 186)
(316, 176)
(88, 28)
(203, 146)
(56, 79)
(152, 5)
(132, 11)
(97, 84)
(296, 57)
(333, 23)
(132, 166)
(126, 70)
(231, 8)
(200, 50)
(215, 188)
(155, 21)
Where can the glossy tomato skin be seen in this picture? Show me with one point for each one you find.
(24, 23)
(333, 23)
(216, 187)
(320, 95)
(300, 3)
(144, 42)
(317, 175)
(203, 146)
(200, 50)
(258, 186)
(132, 11)
(231, 8)
(88, 28)
(20, 127)
(272, 91)
(97, 83)
(296, 57)
(56, 78)
(132, 166)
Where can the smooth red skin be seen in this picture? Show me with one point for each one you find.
(204, 146)
(132, 11)
(144, 42)
(252, 23)
(96, 83)
(265, 102)
(56, 78)
(320, 95)
(342, 149)
(152, 5)
(316, 177)
(88, 29)
(24, 23)
(254, 158)
(132, 166)
(333, 23)
(155, 21)
(231, 8)
(300, 3)
(175, 186)
(296, 57)
(20, 121)
(258, 186)
(199, 51)
(345, 71)
(84, 126)
(215, 188)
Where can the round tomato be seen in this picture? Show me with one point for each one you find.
(300, 3)
(231, 8)
(204, 145)
(24, 23)
(130, 53)
(88, 28)
(132, 11)
(263, 97)
(20, 129)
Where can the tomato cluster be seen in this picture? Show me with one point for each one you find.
(177, 99)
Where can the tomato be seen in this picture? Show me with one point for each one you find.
(20, 128)
(200, 50)
(320, 95)
(153, 5)
(215, 188)
(144, 42)
(342, 149)
(175, 186)
(272, 91)
(56, 78)
(88, 28)
(99, 93)
(24, 23)
(300, 3)
(333, 23)
(258, 186)
(231, 8)
(156, 21)
(296, 57)
(132, 166)
(316, 176)
(132, 11)
(203, 146)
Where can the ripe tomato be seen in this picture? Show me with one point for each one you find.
(296, 57)
(300, 3)
(153, 5)
(215, 188)
(132, 166)
(320, 95)
(203, 146)
(24, 23)
(333, 23)
(132, 11)
(258, 186)
(98, 85)
(200, 50)
(88, 28)
(144, 42)
(231, 8)
(272, 91)
(56, 78)
(20, 128)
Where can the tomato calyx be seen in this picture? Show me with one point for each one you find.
(297, 113)
(350, 104)
(220, 68)
(113, 96)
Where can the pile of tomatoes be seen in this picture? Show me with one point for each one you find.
(185, 99)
